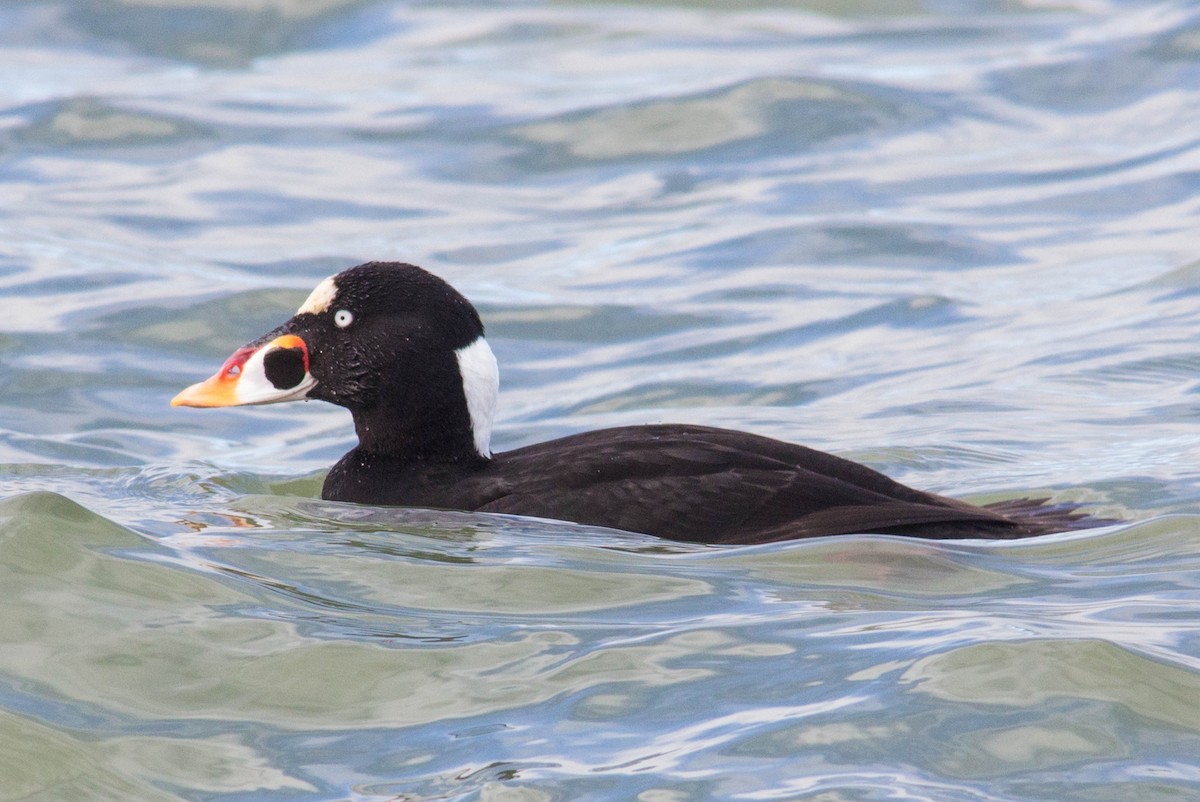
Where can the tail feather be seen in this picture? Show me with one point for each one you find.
(1022, 517)
(1038, 516)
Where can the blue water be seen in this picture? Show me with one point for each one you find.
(957, 241)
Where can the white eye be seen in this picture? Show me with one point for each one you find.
(343, 318)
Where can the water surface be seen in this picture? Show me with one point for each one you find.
(955, 241)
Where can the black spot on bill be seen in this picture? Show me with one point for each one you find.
(284, 367)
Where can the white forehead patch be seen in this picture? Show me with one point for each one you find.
(481, 385)
(321, 298)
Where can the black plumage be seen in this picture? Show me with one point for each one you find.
(422, 418)
(688, 483)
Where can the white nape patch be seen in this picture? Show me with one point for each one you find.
(481, 386)
(253, 386)
(321, 298)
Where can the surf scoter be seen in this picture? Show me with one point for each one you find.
(405, 353)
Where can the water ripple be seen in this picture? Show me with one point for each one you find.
(957, 243)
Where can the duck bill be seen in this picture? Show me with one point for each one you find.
(264, 373)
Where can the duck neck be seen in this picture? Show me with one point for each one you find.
(429, 437)
(445, 417)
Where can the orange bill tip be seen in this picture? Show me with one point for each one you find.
(208, 393)
(220, 389)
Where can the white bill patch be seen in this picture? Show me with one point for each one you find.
(321, 298)
(254, 387)
(481, 386)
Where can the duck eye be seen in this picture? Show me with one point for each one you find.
(343, 318)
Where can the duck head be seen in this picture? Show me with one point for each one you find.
(394, 344)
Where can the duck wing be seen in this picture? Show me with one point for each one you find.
(702, 484)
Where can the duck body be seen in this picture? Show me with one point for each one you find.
(688, 483)
(405, 354)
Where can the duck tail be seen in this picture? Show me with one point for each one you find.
(1038, 516)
